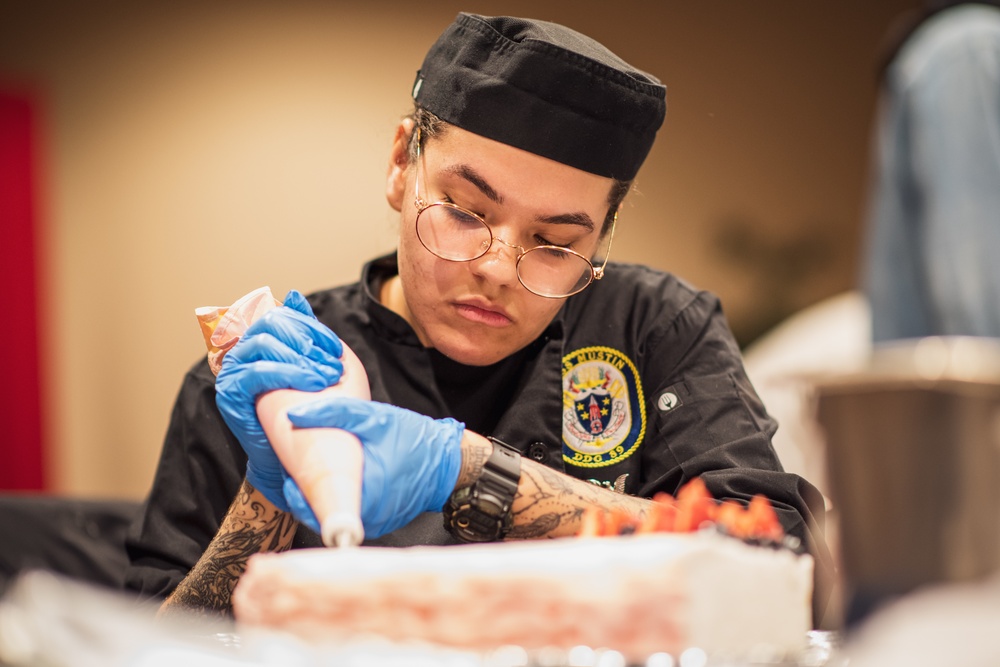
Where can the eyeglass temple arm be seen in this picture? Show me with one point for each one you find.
(416, 175)
(599, 271)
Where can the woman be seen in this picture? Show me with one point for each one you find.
(598, 384)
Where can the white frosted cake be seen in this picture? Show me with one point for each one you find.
(637, 594)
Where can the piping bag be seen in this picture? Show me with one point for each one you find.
(326, 463)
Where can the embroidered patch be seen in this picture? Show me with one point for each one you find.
(604, 412)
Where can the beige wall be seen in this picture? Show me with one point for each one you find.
(196, 150)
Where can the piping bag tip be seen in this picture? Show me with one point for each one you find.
(342, 530)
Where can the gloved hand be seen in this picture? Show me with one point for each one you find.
(411, 461)
(287, 348)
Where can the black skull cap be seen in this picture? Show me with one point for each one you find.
(543, 88)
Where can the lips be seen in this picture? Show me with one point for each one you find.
(483, 312)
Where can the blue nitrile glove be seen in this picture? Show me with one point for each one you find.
(287, 348)
(411, 461)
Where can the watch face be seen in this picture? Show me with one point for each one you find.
(474, 526)
(491, 505)
(474, 517)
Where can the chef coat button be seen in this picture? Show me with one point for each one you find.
(538, 451)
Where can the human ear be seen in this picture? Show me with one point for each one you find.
(399, 162)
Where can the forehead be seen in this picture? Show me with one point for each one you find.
(515, 174)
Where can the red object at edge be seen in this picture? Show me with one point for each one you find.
(21, 448)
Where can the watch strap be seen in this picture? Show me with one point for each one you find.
(481, 512)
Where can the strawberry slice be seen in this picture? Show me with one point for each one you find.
(592, 522)
(695, 506)
(764, 519)
(660, 516)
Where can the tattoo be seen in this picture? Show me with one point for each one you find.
(252, 525)
(548, 503)
(542, 507)
(539, 526)
(552, 504)
(560, 484)
(473, 460)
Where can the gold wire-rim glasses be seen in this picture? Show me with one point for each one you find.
(595, 273)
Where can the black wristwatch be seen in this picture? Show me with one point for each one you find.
(481, 512)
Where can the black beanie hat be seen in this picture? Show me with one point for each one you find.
(544, 88)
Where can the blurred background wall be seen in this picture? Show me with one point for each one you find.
(188, 152)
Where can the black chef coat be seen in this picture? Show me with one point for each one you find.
(638, 375)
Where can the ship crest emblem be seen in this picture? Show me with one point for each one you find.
(604, 413)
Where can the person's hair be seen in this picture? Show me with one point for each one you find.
(431, 126)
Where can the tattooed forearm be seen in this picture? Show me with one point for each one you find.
(548, 503)
(551, 504)
(252, 525)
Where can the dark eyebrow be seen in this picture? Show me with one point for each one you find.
(472, 176)
(581, 219)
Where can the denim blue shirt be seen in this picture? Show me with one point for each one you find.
(932, 264)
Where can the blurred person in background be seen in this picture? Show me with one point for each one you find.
(933, 240)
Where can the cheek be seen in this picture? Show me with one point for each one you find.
(425, 281)
(542, 311)
(417, 267)
(409, 249)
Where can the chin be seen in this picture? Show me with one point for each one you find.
(472, 353)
